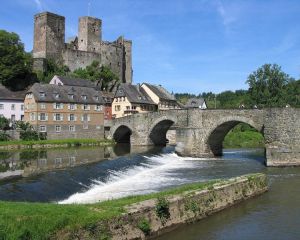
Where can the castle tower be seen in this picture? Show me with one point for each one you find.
(49, 35)
(89, 34)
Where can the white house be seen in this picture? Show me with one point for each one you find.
(196, 103)
(12, 104)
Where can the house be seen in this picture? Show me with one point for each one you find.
(130, 99)
(160, 96)
(70, 81)
(61, 111)
(12, 104)
(108, 98)
(196, 103)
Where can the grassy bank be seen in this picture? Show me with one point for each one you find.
(41, 220)
(55, 143)
(243, 136)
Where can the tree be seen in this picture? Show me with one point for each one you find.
(101, 75)
(4, 123)
(15, 63)
(266, 86)
(52, 68)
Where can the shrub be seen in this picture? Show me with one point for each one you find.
(4, 136)
(162, 209)
(144, 225)
(4, 123)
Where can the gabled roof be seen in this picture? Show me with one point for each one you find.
(6, 94)
(107, 96)
(70, 81)
(161, 92)
(66, 94)
(194, 102)
(134, 93)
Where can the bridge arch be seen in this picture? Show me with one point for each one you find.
(159, 129)
(220, 128)
(122, 133)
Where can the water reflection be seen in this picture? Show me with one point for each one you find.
(15, 164)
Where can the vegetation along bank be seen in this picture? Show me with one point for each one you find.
(136, 217)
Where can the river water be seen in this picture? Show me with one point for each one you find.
(87, 175)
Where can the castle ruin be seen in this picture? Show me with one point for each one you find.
(81, 51)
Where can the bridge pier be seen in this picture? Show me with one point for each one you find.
(191, 143)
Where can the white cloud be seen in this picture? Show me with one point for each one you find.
(39, 5)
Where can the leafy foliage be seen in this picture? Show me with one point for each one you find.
(4, 123)
(144, 225)
(27, 132)
(3, 136)
(102, 75)
(15, 63)
(52, 68)
(162, 209)
(267, 86)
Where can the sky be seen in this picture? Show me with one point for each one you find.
(185, 45)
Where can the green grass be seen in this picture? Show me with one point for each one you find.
(57, 142)
(243, 137)
(41, 220)
(21, 220)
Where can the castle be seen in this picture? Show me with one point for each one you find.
(49, 43)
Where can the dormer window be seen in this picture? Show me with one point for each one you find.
(71, 96)
(140, 97)
(42, 94)
(84, 97)
(120, 91)
(56, 95)
(97, 98)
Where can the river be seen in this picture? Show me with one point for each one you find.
(87, 175)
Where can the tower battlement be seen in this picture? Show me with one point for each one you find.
(81, 51)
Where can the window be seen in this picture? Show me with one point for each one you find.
(57, 128)
(85, 118)
(1, 106)
(58, 106)
(71, 96)
(43, 128)
(72, 117)
(56, 95)
(72, 128)
(98, 107)
(42, 94)
(84, 97)
(43, 106)
(43, 117)
(117, 108)
(97, 98)
(133, 107)
(13, 107)
(13, 118)
(72, 106)
(22, 107)
(127, 107)
(86, 107)
(32, 117)
(57, 117)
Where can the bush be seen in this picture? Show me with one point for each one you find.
(3, 136)
(144, 225)
(4, 123)
(29, 135)
(162, 209)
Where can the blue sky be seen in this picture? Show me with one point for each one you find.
(185, 45)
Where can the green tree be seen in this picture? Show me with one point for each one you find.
(101, 75)
(52, 68)
(266, 86)
(4, 123)
(15, 63)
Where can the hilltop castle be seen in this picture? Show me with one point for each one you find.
(81, 51)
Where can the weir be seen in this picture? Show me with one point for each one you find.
(200, 133)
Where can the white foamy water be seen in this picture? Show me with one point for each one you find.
(158, 171)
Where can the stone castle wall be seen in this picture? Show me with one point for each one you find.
(49, 43)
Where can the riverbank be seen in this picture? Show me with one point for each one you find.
(19, 144)
(131, 217)
(243, 136)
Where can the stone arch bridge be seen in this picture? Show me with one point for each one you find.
(200, 133)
